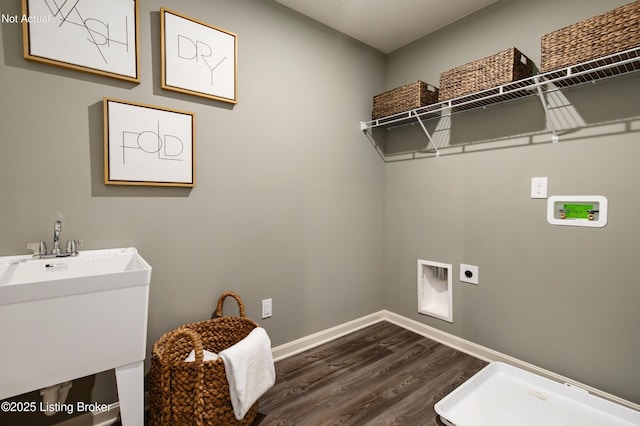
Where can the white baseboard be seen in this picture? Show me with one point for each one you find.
(316, 339)
(462, 345)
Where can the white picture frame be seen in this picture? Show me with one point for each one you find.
(197, 58)
(148, 145)
(94, 36)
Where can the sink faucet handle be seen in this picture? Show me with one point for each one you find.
(72, 246)
(38, 249)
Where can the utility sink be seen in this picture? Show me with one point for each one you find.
(63, 318)
(24, 279)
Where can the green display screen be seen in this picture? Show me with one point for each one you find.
(577, 211)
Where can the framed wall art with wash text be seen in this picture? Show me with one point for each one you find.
(198, 58)
(95, 36)
(148, 145)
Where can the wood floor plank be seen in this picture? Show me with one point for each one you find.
(364, 388)
(392, 389)
(380, 375)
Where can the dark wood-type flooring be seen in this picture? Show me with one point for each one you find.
(380, 375)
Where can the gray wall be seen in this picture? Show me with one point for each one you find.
(288, 203)
(292, 203)
(563, 298)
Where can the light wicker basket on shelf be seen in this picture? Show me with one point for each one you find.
(486, 73)
(404, 98)
(602, 35)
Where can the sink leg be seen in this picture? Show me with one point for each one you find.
(130, 380)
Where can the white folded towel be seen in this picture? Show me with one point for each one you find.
(206, 356)
(249, 369)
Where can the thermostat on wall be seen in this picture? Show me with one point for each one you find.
(577, 210)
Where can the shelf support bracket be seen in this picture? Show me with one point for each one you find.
(367, 132)
(426, 132)
(545, 106)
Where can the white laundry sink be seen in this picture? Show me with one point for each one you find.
(68, 317)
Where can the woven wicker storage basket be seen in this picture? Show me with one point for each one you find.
(404, 98)
(504, 67)
(606, 34)
(196, 393)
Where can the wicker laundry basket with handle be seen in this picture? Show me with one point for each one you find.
(197, 393)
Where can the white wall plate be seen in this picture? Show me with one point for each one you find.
(469, 273)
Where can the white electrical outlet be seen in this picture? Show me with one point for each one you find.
(469, 274)
(267, 308)
(539, 187)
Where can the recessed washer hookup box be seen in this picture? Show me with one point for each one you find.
(502, 395)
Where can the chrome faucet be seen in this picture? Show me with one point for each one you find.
(56, 238)
(40, 248)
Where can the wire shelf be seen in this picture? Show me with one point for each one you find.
(605, 67)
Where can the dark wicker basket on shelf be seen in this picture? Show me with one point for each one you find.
(602, 35)
(404, 98)
(504, 67)
(197, 393)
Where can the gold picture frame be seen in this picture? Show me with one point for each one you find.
(94, 36)
(148, 145)
(197, 58)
